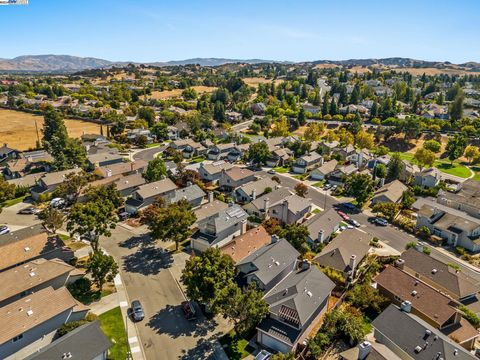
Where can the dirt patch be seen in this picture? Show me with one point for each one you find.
(255, 81)
(162, 95)
(19, 132)
(434, 71)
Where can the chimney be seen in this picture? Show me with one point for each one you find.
(321, 161)
(400, 263)
(406, 306)
(353, 264)
(254, 194)
(382, 182)
(243, 228)
(266, 205)
(210, 196)
(363, 350)
(275, 239)
(109, 172)
(321, 236)
(189, 183)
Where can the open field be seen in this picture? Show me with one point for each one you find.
(254, 81)
(162, 95)
(435, 71)
(18, 128)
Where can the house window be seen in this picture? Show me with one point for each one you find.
(17, 338)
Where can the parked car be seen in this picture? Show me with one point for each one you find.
(58, 203)
(327, 187)
(354, 222)
(188, 310)
(4, 229)
(123, 216)
(271, 171)
(263, 355)
(380, 221)
(343, 215)
(31, 210)
(137, 311)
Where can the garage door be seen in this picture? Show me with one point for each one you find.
(273, 343)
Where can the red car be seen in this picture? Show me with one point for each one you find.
(343, 215)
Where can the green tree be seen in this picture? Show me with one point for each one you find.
(189, 94)
(314, 131)
(258, 153)
(7, 190)
(204, 276)
(219, 112)
(424, 157)
(364, 140)
(408, 199)
(296, 235)
(456, 107)
(155, 170)
(302, 118)
(170, 223)
(102, 268)
(361, 187)
(432, 145)
(54, 131)
(367, 299)
(301, 189)
(456, 146)
(147, 114)
(381, 171)
(160, 130)
(52, 219)
(73, 185)
(395, 167)
(471, 153)
(387, 209)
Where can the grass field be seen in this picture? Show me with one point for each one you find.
(235, 348)
(161, 95)
(111, 323)
(18, 128)
(254, 81)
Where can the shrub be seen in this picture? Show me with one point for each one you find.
(80, 287)
(66, 328)
(471, 317)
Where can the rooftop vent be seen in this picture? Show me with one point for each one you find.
(29, 312)
(67, 355)
(418, 349)
(26, 248)
(309, 293)
(434, 271)
(414, 293)
(32, 274)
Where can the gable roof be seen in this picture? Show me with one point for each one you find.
(311, 157)
(326, 221)
(25, 244)
(228, 217)
(121, 168)
(298, 296)
(275, 196)
(259, 185)
(445, 277)
(337, 253)
(327, 167)
(85, 342)
(270, 260)
(216, 167)
(58, 177)
(5, 150)
(408, 331)
(295, 203)
(392, 191)
(210, 209)
(27, 276)
(237, 173)
(188, 193)
(156, 188)
(243, 245)
(129, 181)
(44, 305)
(424, 299)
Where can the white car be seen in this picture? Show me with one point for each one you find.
(263, 355)
(4, 230)
(57, 203)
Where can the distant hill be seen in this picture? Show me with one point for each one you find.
(67, 63)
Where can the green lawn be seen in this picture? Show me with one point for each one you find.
(235, 348)
(197, 159)
(445, 166)
(316, 211)
(281, 170)
(152, 145)
(319, 184)
(74, 245)
(112, 325)
(14, 201)
(476, 170)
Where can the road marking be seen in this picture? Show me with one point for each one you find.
(363, 231)
(123, 304)
(132, 340)
(135, 349)
(117, 280)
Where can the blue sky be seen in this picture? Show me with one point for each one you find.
(297, 30)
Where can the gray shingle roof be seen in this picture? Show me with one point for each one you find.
(189, 193)
(58, 177)
(156, 188)
(274, 197)
(326, 221)
(259, 185)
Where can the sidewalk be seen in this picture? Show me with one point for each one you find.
(106, 303)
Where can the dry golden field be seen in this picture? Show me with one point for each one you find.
(162, 95)
(254, 81)
(17, 129)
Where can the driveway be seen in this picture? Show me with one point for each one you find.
(9, 216)
(145, 271)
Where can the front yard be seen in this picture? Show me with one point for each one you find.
(112, 325)
(236, 348)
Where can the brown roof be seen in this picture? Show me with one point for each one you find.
(461, 332)
(243, 245)
(237, 173)
(209, 209)
(27, 276)
(424, 299)
(393, 191)
(33, 310)
(26, 244)
(121, 168)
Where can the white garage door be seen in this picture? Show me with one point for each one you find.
(273, 344)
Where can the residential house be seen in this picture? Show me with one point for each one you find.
(188, 148)
(288, 210)
(329, 146)
(192, 193)
(134, 134)
(233, 116)
(104, 159)
(383, 159)
(33, 320)
(220, 151)
(312, 109)
(268, 265)
(322, 172)
(49, 182)
(279, 157)
(408, 171)
(126, 185)
(345, 252)
(453, 282)
(341, 173)
(260, 206)
(219, 228)
(457, 228)
(243, 245)
(367, 350)
(238, 152)
(250, 191)
(258, 108)
(33, 276)
(31, 161)
(212, 172)
(467, 199)
(390, 193)
(122, 168)
(307, 162)
(148, 193)
(87, 342)
(235, 177)
(173, 133)
(410, 337)
(427, 178)
(322, 226)
(209, 210)
(7, 153)
(346, 152)
(30, 243)
(296, 305)
(28, 181)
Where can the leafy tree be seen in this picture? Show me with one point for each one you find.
(395, 167)
(204, 276)
(456, 107)
(424, 157)
(364, 140)
(302, 118)
(281, 356)
(361, 187)
(301, 189)
(314, 131)
(297, 236)
(155, 170)
(246, 309)
(389, 210)
(456, 146)
(160, 130)
(366, 298)
(147, 114)
(258, 153)
(280, 127)
(102, 268)
(432, 145)
(170, 223)
(408, 199)
(7, 190)
(54, 131)
(108, 194)
(72, 186)
(189, 94)
(175, 155)
(381, 171)
(471, 153)
(219, 112)
(52, 219)
(471, 317)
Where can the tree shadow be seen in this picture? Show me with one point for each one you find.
(170, 321)
(135, 241)
(204, 349)
(148, 260)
